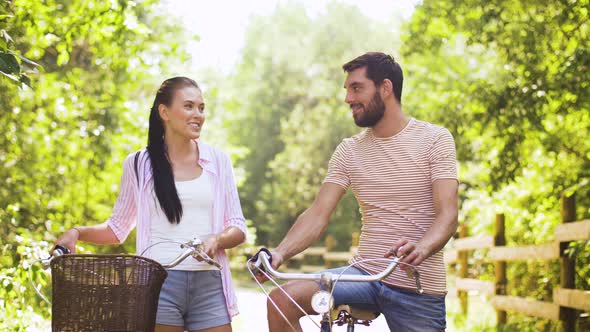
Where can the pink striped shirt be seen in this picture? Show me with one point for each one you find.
(132, 205)
(392, 179)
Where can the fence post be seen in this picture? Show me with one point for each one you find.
(355, 239)
(500, 267)
(567, 316)
(329, 244)
(462, 259)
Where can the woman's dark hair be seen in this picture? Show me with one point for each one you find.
(161, 168)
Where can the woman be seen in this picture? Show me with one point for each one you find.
(175, 189)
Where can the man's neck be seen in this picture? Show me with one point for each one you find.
(392, 122)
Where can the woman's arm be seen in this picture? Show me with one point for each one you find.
(97, 234)
(230, 237)
(227, 239)
(122, 220)
(232, 211)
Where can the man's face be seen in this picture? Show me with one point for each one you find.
(364, 99)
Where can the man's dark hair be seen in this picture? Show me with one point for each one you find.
(380, 66)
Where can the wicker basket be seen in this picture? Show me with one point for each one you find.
(105, 293)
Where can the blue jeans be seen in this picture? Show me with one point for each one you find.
(404, 310)
(193, 300)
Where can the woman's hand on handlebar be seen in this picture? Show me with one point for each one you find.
(68, 239)
(211, 244)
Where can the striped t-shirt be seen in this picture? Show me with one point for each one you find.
(392, 181)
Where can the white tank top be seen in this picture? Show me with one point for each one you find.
(196, 197)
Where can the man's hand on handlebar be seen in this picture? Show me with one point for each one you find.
(408, 252)
(276, 260)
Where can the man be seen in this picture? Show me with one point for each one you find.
(403, 173)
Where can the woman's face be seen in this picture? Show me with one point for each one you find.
(186, 114)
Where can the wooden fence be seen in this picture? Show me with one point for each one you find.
(566, 299)
(314, 259)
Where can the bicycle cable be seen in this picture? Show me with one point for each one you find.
(366, 260)
(160, 242)
(284, 292)
(32, 283)
(415, 271)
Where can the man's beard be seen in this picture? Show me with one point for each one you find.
(371, 114)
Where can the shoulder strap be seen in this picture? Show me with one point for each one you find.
(135, 166)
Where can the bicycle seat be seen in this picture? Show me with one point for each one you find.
(346, 311)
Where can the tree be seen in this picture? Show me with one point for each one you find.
(287, 101)
(520, 117)
(541, 55)
(12, 63)
(65, 139)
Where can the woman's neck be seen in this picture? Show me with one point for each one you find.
(179, 148)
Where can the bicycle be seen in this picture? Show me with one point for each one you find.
(322, 300)
(110, 292)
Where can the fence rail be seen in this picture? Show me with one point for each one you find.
(566, 299)
(315, 259)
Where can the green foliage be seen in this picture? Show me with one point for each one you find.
(13, 65)
(534, 100)
(512, 85)
(291, 120)
(508, 78)
(64, 141)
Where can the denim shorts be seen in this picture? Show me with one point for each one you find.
(404, 310)
(193, 300)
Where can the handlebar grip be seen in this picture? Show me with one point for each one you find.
(214, 263)
(60, 250)
(256, 259)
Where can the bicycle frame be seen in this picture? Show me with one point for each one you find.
(322, 301)
(117, 277)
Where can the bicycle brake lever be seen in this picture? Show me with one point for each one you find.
(209, 260)
(408, 269)
(214, 263)
(416, 276)
(412, 273)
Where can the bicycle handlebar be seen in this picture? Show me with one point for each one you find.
(263, 259)
(192, 248)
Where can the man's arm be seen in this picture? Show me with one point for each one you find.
(445, 225)
(310, 225)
